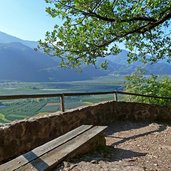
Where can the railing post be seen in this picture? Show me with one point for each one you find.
(62, 103)
(116, 96)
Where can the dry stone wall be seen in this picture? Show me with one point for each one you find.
(21, 136)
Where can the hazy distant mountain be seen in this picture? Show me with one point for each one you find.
(121, 58)
(161, 68)
(18, 61)
(6, 38)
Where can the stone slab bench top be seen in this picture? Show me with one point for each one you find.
(49, 155)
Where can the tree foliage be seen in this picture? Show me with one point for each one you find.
(93, 28)
(148, 85)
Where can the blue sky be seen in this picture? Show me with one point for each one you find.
(25, 19)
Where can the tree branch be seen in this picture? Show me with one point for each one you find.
(141, 18)
(141, 30)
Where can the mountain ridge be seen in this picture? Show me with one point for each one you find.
(6, 38)
(20, 62)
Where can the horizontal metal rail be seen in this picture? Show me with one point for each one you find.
(142, 95)
(27, 96)
(62, 95)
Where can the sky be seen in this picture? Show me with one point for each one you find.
(26, 19)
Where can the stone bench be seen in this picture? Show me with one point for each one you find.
(76, 142)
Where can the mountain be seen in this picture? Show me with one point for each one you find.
(18, 61)
(6, 38)
(160, 68)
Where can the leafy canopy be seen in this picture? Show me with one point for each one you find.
(148, 85)
(93, 28)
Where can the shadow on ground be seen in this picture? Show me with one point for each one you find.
(108, 153)
(119, 126)
(112, 153)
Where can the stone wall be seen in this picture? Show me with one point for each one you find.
(21, 136)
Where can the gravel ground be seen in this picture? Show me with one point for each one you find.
(130, 147)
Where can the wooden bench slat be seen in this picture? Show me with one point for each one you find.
(39, 151)
(54, 157)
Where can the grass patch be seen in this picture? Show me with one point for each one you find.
(3, 119)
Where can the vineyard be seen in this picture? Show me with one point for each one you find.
(20, 109)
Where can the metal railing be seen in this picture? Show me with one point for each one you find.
(62, 96)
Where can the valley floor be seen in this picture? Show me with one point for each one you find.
(130, 147)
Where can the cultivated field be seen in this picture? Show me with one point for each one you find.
(11, 110)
